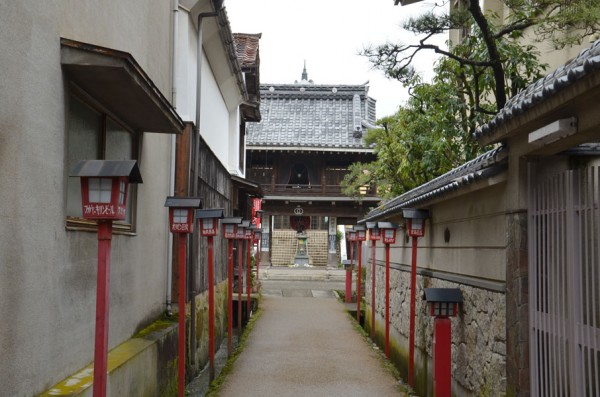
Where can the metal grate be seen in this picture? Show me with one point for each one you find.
(564, 283)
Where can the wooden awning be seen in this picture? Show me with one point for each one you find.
(117, 82)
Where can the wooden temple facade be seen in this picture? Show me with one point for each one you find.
(299, 153)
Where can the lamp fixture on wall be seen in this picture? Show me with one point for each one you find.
(554, 131)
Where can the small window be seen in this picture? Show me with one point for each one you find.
(93, 134)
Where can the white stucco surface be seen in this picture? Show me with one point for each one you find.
(48, 274)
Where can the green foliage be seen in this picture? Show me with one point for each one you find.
(432, 132)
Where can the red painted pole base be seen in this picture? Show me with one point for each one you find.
(348, 286)
(211, 310)
(373, 278)
(181, 326)
(358, 282)
(229, 297)
(442, 357)
(413, 304)
(387, 300)
(102, 305)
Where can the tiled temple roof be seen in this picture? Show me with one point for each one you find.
(312, 116)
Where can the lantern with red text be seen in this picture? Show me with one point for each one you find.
(351, 236)
(230, 226)
(388, 232)
(181, 213)
(415, 221)
(241, 230)
(374, 232)
(104, 187)
(209, 221)
(361, 233)
(257, 235)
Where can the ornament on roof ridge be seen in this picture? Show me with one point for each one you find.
(304, 78)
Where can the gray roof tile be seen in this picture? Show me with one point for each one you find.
(484, 166)
(309, 115)
(586, 62)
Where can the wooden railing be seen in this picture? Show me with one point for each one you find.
(313, 190)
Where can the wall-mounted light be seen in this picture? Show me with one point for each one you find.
(554, 131)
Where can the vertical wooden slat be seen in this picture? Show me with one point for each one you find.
(544, 290)
(553, 213)
(573, 266)
(585, 264)
(561, 247)
(594, 280)
(532, 253)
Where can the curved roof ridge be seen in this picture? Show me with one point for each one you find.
(583, 64)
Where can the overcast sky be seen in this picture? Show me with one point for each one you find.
(328, 34)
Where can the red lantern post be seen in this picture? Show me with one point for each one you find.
(240, 237)
(258, 214)
(181, 222)
(443, 303)
(416, 229)
(257, 240)
(104, 189)
(250, 241)
(229, 232)
(209, 227)
(374, 235)
(388, 236)
(361, 235)
(352, 239)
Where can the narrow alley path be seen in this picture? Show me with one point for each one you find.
(304, 344)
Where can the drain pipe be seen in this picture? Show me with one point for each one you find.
(194, 261)
(173, 153)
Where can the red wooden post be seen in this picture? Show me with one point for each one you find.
(351, 264)
(442, 357)
(358, 281)
(258, 256)
(373, 277)
(443, 303)
(387, 300)
(102, 305)
(413, 295)
(211, 309)
(248, 276)
(240, 285)
(348, 282)
(182, 295)
(104, 186)
(230, 297)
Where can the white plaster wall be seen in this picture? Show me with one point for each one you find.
(217, 123)
(48, 274)
(477, 236)
(214, 116)
(186, 67)
(233, 164)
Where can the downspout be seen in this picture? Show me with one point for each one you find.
(173, 152)
(194, 262)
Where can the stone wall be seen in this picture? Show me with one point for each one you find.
(478, 332)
